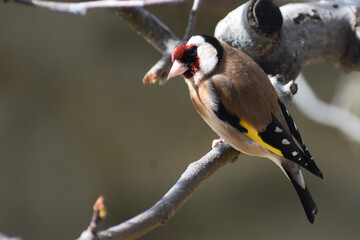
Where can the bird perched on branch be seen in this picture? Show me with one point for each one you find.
(236, 99)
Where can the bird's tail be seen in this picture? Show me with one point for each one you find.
(304, 195)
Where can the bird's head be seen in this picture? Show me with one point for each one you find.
(196, 57)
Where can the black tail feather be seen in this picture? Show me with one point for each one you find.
(306, 200)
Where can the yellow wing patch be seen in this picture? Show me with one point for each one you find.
(254, 135)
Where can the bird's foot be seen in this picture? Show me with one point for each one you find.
(216, 142)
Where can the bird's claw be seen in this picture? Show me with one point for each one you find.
(216, 142)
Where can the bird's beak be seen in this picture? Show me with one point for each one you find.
(177, 69)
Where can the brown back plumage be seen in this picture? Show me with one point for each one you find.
(248, 80)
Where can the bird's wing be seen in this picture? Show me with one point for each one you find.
(243, 96)
(296, 134)
(274, 137)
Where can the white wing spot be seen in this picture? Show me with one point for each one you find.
(278, 130)
(294, 153)
(306, 164)
(287, 112)
(295, 126)
(285, 141)
(299, 158)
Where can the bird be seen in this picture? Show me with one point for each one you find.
(235, 97)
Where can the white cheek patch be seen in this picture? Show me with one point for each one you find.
(207, 54)
(208, 60)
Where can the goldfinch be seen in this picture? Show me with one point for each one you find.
(236, 99)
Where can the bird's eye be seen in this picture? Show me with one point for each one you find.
(190, 55)
(192, 51)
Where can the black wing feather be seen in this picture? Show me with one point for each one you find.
(276, 136)
(296, 134)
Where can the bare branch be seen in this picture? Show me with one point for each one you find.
(4, 237)
(150, 28)
(83, 7)
(158, 73)
(157, 34)
(99, 213)
(324, 113)
(196, 173)
(192, 19)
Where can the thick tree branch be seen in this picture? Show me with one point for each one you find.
(196, 173)
(310, 32)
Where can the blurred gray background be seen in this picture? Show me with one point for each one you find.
(76, 122)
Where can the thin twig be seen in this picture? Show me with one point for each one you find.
(324, 113)
(83, 7)
(149, 27)
(159, 71)
(192, 19)
(196, 173)
(157, 34)
(99, 213)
